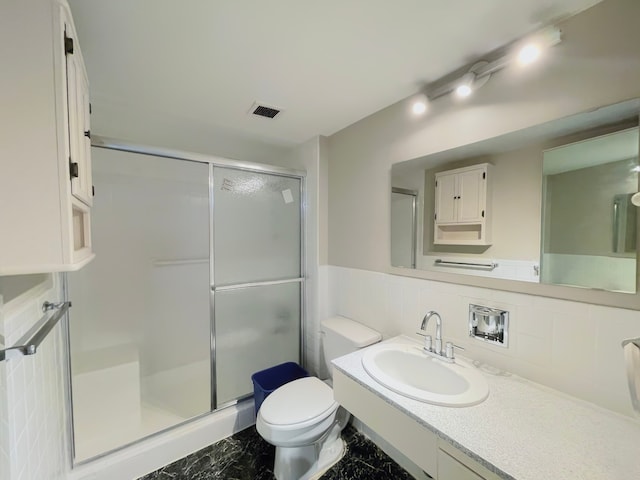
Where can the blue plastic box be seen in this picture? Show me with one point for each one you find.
(266, 381)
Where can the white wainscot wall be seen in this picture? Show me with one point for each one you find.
(34, 443)
(595, 271)
(569, 346)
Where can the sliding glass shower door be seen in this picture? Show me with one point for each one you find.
(196, 285)
(140, 328)
(257, 276)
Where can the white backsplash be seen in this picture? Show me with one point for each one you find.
(34, 441)
(569, 346)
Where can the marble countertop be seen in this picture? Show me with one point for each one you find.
(523, 430)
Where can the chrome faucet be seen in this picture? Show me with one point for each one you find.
(438, 341)
(435, 350)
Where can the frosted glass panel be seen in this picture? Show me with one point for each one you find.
(256, 328)
(257, 227)
(140, 322)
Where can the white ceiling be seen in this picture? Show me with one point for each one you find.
(327, 63)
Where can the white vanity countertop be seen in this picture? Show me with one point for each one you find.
(523, 430)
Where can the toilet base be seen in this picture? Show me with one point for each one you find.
(329, 456)
(306, 463)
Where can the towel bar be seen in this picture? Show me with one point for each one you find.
(30, 347)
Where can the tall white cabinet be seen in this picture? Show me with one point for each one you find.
(462, 207)
(45, 148)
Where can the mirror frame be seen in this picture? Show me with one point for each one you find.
(629, 301)
(574, 294)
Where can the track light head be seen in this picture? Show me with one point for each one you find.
(534, 46)
(419, 104)
(464, 88)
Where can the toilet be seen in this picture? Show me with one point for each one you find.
(302, 419)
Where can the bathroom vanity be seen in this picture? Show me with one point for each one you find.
(522, 431)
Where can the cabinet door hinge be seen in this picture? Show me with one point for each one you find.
(484, 175)
(482, 213)
(68, 44)
(435, 216)
(73, 169)
(87, 133)
(436, 183)
(93, 190)
(90, 109)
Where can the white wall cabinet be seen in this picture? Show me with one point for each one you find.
(45, 151)
(462, 206)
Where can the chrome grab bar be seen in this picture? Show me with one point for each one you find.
(447, 263)
(30, 347)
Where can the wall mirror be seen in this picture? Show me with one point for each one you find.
(548, 205)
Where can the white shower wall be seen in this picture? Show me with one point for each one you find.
(138, 267)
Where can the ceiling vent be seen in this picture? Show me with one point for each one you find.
(266, 111)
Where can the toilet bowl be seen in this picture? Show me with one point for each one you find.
(302, 419)
(304, 422)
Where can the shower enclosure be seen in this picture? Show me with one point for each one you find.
(197, 283)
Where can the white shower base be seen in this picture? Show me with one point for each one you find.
(105, 420)
(153, 453)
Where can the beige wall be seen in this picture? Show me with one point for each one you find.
(599, 51)
(515, 205)
(581, 203)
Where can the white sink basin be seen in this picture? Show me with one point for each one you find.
(406, 370)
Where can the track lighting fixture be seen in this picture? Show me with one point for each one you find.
(524, 53)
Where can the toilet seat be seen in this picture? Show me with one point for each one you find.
(298, 404)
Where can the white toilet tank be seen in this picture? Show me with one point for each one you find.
(341, 335)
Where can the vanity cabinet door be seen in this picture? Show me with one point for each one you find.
(451, 469)
(453, 464)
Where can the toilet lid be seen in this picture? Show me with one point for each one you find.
(298, 402)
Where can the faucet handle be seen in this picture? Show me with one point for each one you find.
(428, 341)
(448, 349)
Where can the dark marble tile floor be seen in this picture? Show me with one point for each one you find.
(246, 456)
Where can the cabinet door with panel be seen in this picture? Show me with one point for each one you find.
(78, 114)
(446, 198)
(470, 195)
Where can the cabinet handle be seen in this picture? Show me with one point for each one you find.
(68, 44)
(73, 170)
